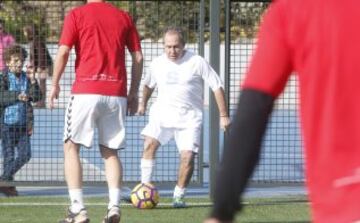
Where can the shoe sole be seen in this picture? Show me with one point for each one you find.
(113, 219)
(86, 221)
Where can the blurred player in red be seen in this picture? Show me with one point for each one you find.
(100, 33)
(319, 41)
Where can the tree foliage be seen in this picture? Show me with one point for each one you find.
(18, 14)
(151, 17)
(245, 19)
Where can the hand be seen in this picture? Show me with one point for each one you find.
(54, 94)
(214, 220)
(225, 123)
(132, 104)
(23, 97)
(141, 110)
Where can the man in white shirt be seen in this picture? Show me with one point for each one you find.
(177, 113)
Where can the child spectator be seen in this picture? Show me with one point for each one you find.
(21, 88)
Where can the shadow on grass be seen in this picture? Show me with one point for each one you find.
(275, 202)
(186, 208)
(246, 203)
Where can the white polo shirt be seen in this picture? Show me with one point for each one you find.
(180, 89)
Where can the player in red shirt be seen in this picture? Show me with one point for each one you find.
(319, 41)
(100, 34)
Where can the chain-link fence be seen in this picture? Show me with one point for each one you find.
(151, 17)
(281, 160)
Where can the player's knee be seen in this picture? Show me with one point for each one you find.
(150, 147)
(187, 158)
(71, 148)
(107, 152)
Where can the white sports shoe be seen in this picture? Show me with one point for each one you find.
(179, 202)
(113, 215)
(80, 217)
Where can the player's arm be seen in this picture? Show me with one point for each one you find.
(209, 75)
(147, 92)
(61, 59)
(221, 103)
(68, 38)
(241, 153)
(136, 73)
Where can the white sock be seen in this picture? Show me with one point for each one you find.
(114, 197)
(76, 199)
(179, 192)
(146, 167)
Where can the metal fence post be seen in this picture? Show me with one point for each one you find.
(227, 44)
(213, 111)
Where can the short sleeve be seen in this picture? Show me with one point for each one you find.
(271, 64)
(69, 32)
(133, 39)
(209, 75)
(150, 79)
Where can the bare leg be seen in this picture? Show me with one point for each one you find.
(73, 176)
(113, 171)
(113, 167)
(150, 147)
(186, 168)
(72, 165)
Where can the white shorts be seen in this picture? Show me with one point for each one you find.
(185, 138)
(85, 112)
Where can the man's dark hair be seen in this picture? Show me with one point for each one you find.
(14, 50)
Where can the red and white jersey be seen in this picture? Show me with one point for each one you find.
(100, 33)
(319, 40)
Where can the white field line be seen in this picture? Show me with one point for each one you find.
(197, 204)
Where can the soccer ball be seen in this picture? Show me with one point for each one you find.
(144, 196)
